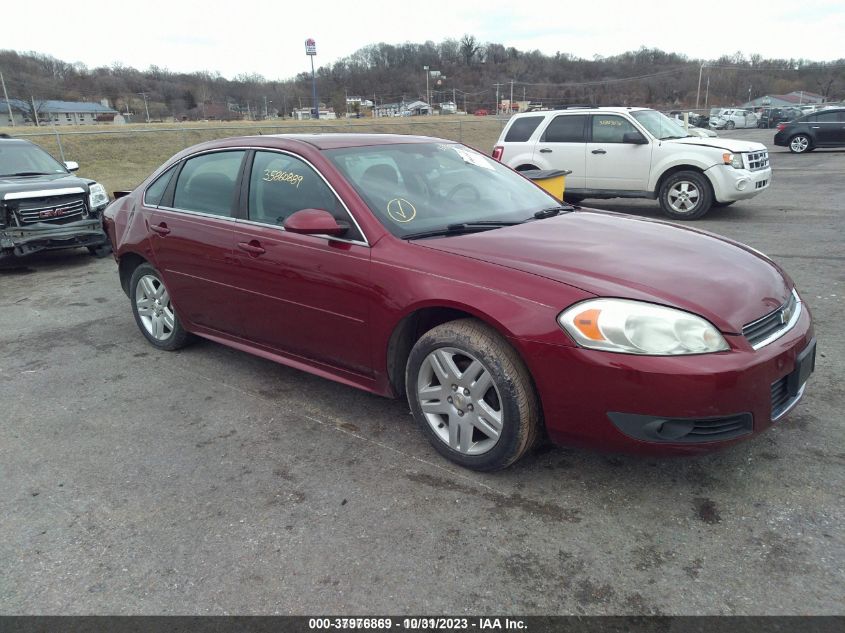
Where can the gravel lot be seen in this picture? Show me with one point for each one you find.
(209, 481)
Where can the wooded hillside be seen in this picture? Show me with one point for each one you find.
(392, 72)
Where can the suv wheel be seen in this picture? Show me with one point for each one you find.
(730, 125)
(685, 195)
(799, 144)
(154, 312)
(472, 395)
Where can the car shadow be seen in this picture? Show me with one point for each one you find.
(46, 261)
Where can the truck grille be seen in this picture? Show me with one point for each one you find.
(52, 210)
(758, 160)
(773, 325)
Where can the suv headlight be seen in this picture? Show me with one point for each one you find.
(734, 160)
(635, 327)
(97, 196)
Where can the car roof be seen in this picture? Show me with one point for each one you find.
(339, 140)
(582, 109)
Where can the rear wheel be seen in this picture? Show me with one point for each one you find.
(799, 144)
(730, 125)
(472, 395)
(685, 195)
(153, 310)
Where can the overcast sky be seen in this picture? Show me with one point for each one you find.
(268, 37)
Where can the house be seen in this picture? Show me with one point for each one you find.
(54, 112)
(304, 114)
(794, 98)
(402, 108)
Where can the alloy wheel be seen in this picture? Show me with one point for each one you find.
(684, 196)
(154, 307)
(460, 401)
(799, 144)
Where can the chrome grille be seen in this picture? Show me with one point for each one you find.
(53, 211)
(763, 331)
(757, 160)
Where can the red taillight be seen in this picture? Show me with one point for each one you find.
(780, 126)
(497, 152)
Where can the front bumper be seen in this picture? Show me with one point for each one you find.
(730, 184)
(16, 242)
(580, 389)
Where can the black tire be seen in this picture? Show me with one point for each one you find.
(692, 178)
(177, 337)
(103, 250)
(722, 205)
(800, 144)
(730, 125)
(511, 390)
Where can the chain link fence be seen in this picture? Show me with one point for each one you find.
(121, 157)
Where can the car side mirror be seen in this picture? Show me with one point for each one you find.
(71, 165)
(314, 222)
(634, 138)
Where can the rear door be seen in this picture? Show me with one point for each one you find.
(612, 164)
(563, 146)
(191, 233)
(827, 127)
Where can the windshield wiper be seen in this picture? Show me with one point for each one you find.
(29, 173)
(553, 211)
(668, 138)
(460, 229)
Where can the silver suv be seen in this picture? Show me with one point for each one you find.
(635, 153)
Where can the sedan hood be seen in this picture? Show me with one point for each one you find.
(728, 144)
(613, 255)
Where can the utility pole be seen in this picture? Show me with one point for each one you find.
(146, 109)
(698, 93)
(510, 103)
(427, 96)
(8, 105)
(497, 96)
(34, 111)
(266, 113)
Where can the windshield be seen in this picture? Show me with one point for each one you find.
(659, 125)
(27, 159)
(418, 187)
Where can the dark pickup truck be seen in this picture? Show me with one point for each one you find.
(43, 206)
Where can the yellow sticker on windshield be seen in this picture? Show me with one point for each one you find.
(400, 210)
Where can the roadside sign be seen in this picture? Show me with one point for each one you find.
(310, 47)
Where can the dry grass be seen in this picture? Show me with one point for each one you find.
(125, 155)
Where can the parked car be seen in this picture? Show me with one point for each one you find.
(43, 206)
(481, 112)
(635, 153)
(418, 267)
(731, 118)
(824, 128)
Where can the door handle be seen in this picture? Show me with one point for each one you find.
(253, 247)
(161, 228)
(599, 151)
(545, 150)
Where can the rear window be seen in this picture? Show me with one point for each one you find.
(568, 128)
(522, 129)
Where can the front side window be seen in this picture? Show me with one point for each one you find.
(281, 184)
(659, 125)
(207, 183)
(611, 129)
(567, 128)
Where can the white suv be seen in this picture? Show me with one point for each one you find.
(635, 153)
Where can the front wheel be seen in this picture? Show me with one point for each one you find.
(472, 395)
(685, 195)
(153, 310)
(799, 144)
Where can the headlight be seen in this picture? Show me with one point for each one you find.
(97, 196)
(635, 327)
(734, 160)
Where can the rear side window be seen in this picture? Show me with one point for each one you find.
(610, 129)
(207, 183)
(153, 194)
(522, 129)
(827, 117)
(568, 128)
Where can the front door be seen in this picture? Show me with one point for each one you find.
(612, 164)
(302, 295)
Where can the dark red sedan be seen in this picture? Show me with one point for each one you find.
(420, 267)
